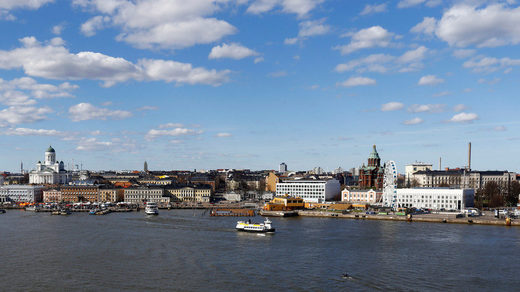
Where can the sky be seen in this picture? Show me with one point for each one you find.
(205, 84)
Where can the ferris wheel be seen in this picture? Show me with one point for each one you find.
(390, 185)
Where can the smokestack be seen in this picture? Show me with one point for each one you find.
(440, 163)
(469, 157)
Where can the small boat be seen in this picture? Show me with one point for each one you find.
(2, 211)
(151, 208)
(248, 226)
(93, 211)
(56, 212)
(65, 212)
(32, 208)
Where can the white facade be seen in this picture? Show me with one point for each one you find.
(459, 178)
(50, 171)
(21, 193)
(140, 195)
(283, 167)
(435, 198)
(412, 168)
(315, 191)
(361, 196)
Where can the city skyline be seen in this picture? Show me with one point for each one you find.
(245, 84)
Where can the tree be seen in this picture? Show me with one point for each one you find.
(493, 195)
(414, 183)
(511, 197)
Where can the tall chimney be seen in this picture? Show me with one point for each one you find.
(469, 157)
(440, 163)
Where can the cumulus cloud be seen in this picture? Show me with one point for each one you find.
(308, 29)
(429, 108)
(144, 24)
(299, 7)
(381, 63)
(374, 36)
(414, 121)
(223, 135)
(464, 118)
(470, 23)
(148, 108)
(30, 132)
(92, 144)
(57, 29)
(375, 8)
(463, 53)
(430, 80)
(460, 107)
(86, 111)
(24, 114)
(483, 64)
(358, 81)
(56, 62)
(232, 51)
(411, 3)
(173, 132)
(278, 74)
(23, 91)
(7, 5)
(171, 125)
(391, 106)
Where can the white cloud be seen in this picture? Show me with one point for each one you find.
(86, 111)
(92, 144)
(414, 121)
(299, 7)
(464, 117)
(290, 41)
(430, 108)
(469, 23)
(171, 125)
(381, 63)
(223, 135)
(358, 81)
(391, 106)
(232, 51)
(144, 24)
(375, 8)
(430, 80)
(427, 26)
(56, 62)
(483, 64)
(258, 60)
(57, 29)
(411, 3)
(180, 131)
(442, 93)
(374, 36)
(23, 91)
(30, 132)
(7, 5)
(460, 107)
(24, 114)
(94, 24)
(500, 128)
(308, 29)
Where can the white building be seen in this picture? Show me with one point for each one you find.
(144, 194)
(435, 198)
(283, 167)
(50, 171)
(460, 178)
(21, 193)
(315, 191)
(412, 168)
(361, 196)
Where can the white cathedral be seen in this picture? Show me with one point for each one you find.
(49, 172)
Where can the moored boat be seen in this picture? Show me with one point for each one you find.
(151, 208)
(2, 211)
(248, 226)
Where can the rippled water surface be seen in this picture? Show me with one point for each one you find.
(186, 250)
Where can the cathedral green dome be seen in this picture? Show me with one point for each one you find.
(374, 153)
(50, 149)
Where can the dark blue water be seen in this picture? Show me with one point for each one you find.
(185, 250)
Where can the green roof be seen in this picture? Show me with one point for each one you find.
(50, 149)
(374, 153)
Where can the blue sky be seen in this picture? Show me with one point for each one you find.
(250, 83)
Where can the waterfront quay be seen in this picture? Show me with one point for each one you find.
(487, 217)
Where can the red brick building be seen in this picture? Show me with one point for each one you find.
(371, 176)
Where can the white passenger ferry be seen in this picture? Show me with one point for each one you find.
(248, 226)
(151, 208)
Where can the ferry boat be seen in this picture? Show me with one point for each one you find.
(248, 226)
(32, 208)
(151, 208)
